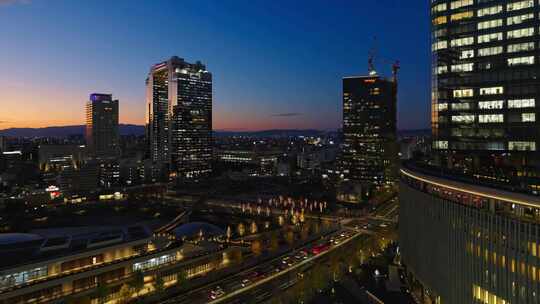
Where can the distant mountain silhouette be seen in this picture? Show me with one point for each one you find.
(272, 133)
(137, 130)
(64, 131)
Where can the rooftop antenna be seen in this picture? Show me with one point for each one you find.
(395, 70)
(371, 58)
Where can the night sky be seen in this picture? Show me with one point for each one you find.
(276, 64)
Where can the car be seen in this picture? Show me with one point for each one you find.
(320, 248)
(216, 293)
(245, 282)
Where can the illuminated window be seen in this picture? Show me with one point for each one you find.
(441, 69)
(439, 20)
(490, 10)
(520, 33)
(521, 103)
(491, 105)
(463, 118)
(532, 248)
(462, 41)
(464, 67)
(466, 54)
(491, 118)
(460, 106)
(490, 24)
(528, 117)
(460, 16)
(527, 60)
(154, 262)
(442, 106)
(439, 8)
(463, 93)
(440, 144)
(521, 47)
(492, 91)
(519, 5)
(460, 3)
(490, 51)
(439, 45)
(519, 19)
(521, 146)
(490, 37)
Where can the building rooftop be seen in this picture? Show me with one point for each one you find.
(43, 244)
(17, 238)
(473, 189)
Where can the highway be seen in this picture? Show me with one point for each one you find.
(257, 283)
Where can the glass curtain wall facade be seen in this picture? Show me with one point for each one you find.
(369, 129)
(102, 134)
(179, 117)
(485, 89)
(469, 244)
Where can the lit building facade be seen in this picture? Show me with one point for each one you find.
(369, 155)
(102, 134)
(38, 269)
(485, 89)
(466, 243)
(179, 117)
(465, 233)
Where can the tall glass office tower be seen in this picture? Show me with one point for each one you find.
(486, 89)
(369, 157)
(469, 227)
(179, 117)
(102, 135)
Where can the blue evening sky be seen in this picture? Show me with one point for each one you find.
(267, 57)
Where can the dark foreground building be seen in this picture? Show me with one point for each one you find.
(486, 87)
(179, 117)
(470, 218)
(102, 126)
(369, 156)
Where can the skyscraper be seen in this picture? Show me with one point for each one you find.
(486, 84)
(468, 224)
(369, 131)
(102, 126)
(179, 117)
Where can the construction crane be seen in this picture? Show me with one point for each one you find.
(371, 62)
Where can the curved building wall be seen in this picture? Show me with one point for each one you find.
(465, 247)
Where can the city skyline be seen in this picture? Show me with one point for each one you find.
(279, 94)
(231, 183)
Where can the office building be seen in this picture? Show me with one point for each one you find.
(3, 144)
(179, 117)
(369, 156)
(50, 265)
(485, 92)
(56, 157)
(470, 219)
(83, 179)
(102, 126)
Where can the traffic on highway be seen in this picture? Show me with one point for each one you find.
(257, 283)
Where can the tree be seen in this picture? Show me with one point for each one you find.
(274, 242)
(181, 277)
(159, 283)
(256, 248)
(125, 293)
(101, 292)
(137, 283)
